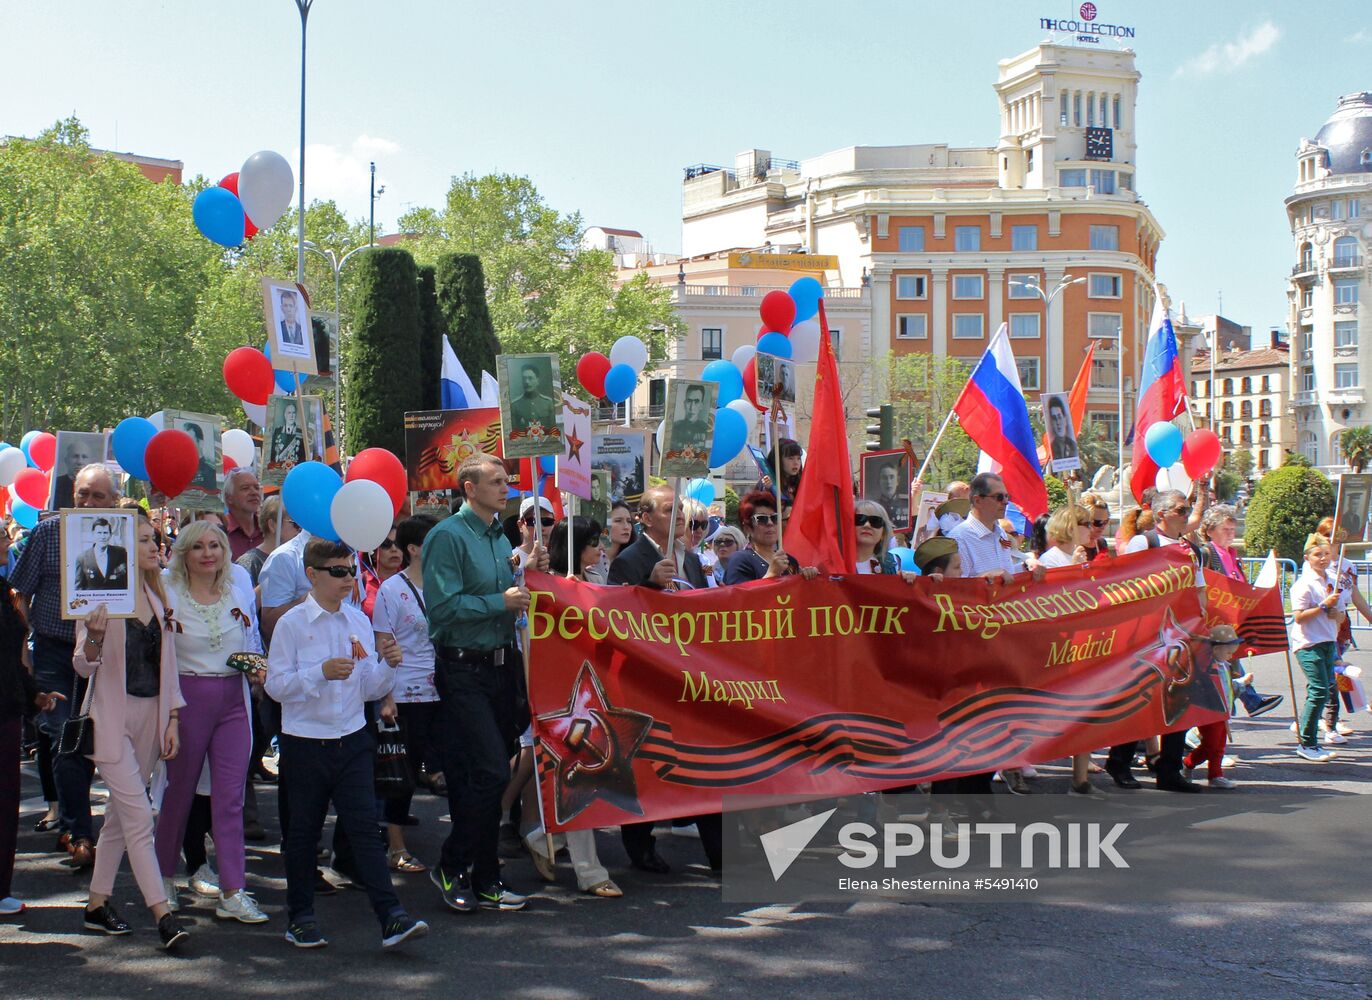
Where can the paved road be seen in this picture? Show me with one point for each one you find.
(673, 936)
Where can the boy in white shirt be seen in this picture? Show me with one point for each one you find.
(1314, 635)
(323, 670)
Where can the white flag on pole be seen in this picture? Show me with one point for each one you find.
(1268, 577)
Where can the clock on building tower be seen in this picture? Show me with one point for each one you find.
(1100, 143)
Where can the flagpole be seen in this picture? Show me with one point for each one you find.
(929, 456)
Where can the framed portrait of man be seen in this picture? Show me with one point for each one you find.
(207, 430)
(284, 436)
(926, 521)
(1350, 514)
(623, 456)
(885, 478)
(776, 379)
(75, 451)
(598, 506)
(690, 429)
(530, 404)
(325, 332)
(290, 334)
(99, 554)
(1063, 454)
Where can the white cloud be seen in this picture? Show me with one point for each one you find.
(343, 174)
(1361, 35)
(1225, 57)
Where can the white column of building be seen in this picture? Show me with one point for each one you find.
(995, 299)
(939, 307)
(882, 334)
(1051, 380)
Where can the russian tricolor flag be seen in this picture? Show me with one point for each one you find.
(457, 391)
(1161, 391)
(992, 410)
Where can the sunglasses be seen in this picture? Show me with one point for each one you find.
(1084, 524)
(1101, 524)
(721, 542)
(764, 519)
(389, 543)
(868, 521)
(997, 497)
(699, 525)
(338, 572)
(547, 522)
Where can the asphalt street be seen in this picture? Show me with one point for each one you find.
(672, 935)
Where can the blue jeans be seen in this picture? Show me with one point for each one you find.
(1318, 663)
(53, 671)
(318, 771)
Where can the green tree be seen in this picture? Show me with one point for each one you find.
(383, 353)
(1239, 462)
(432, 332)
(1356, 444)
(461, 298)
(923, 388)
(1286, 507)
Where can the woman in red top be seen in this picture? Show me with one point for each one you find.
(379, 567)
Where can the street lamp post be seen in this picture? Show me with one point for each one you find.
(376, 192)
(304, 7)
(336, 266)
(1048, 298)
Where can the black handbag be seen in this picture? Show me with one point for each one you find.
(392, 769)
(78, 732)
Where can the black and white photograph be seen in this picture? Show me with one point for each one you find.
(283, 438)
(530, 404)
(75, 450)
(1063, 455)
(690, 429)
(776, 380)
(206, 429)
(886, 479)
(99, 562)
(598, 507)
(1354, 491)
(623, 455)
(289, 331)
(325, 331)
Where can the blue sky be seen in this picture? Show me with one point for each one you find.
(603, 103)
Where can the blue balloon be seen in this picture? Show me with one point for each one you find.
(731, 434)
(548, 464)
(23, 513)
(308, 493)
(805, 293)
(1163, 443)
(1017, 519)
(129, 441)
(619, 383)
(24, 443)
(701, 490)
(774, 343)
(905, 559)
(4, 445)
(219, 216)
(287, 382)
(729, 379)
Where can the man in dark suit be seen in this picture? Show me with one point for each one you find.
(532, 407)
(205, 476)
(643, 564)
(292, 333)
(102, 566)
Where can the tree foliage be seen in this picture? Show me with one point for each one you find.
(461, 299)
(923, 388)
(1356, 445)
(432, 330)
(382, 357)
(1286, 507)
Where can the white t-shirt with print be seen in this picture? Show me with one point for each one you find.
(398, 613)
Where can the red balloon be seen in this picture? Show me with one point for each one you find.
(1200, 452)
(248, 374)
(750, 383)
(43, 451)
(249, 230)
(383, 468)
(172, 459)
(229, 464)
(590, 372)
(229, 182)
(778, 311)
(31, 486)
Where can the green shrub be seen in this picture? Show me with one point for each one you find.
(1287, 505)
(431, 334)
(383, 357)
(461, 290)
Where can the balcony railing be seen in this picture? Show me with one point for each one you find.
(1346, 261)
(1304, 267)
(701, 169)
(757, 291)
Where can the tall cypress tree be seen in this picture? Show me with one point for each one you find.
(461, 286)
(383, 361)
(432, 332)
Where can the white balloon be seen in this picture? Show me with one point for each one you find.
(1174, 478)
(257, 413)
(805, 342)
(265, 187)
(657, 434)
(238, 446)
(12, 462)
(629, 350)
(362, 514)
(157, 421)
(743, 355)
(749, 413)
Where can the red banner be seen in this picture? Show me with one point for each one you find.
(1256, 614)
(651, 705)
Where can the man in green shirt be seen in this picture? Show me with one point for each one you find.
(472, 603)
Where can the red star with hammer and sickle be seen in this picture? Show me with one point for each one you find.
(1184, 663)
(592, 746)
(574, 444)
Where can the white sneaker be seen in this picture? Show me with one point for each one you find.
(1223, 782)
(205, 882)
(1343, 728)
(1295, 727)
(1228, 762)
(9, 906)
(1333, 738)
(169, 887)
(1312, 753)
(241, 907)
(1193, 738)
(1029, 771)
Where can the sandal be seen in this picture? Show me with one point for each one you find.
(605, 890)
(403, 861)
(438, 785)
(45, 824)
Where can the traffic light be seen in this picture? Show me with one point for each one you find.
(882, 434)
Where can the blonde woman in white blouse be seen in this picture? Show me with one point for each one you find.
(209, 621)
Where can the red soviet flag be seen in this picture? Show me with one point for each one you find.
(1256, 613)
(820, 532)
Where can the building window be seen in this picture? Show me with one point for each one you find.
(1265, 434)
(1346, 292)
(1346, 252)
(1265, 408)
(1028, 373)
(1076, 108)
(1104, 111)
(1266, 384)
(1105, 237)
(1090, 110)
(1245, 386)
(1345, 376)
(967, 326)
(1336, 210)
(968, 286)
(1024, 237)
(912, 326)
(1226, 436)
(657, 397)
(967, 239)
(1307, 339)
(1117, 111)
(1110, 424)
(1022, 286)
(1105, 373)
(1103, 181)
(1104, 325)
(1074, 178)
(1262, 459)
(1126, 181)
(1307, 380)
(1104, 286)
(711, 343)
(1354, 206)
(1346, 333)
(1024, 326)
(1228, 387)
(1307, 298)
(911, 286)
(1245, 435)
(911, 239)
(1227, 411)
(1063, 111)
(836, 341)
(1310, 447)
(1307, 258)
(1246, 410)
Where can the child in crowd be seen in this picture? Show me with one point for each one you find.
(1224, 643)
(1314, 635)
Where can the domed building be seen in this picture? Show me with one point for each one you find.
(1330, 214)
